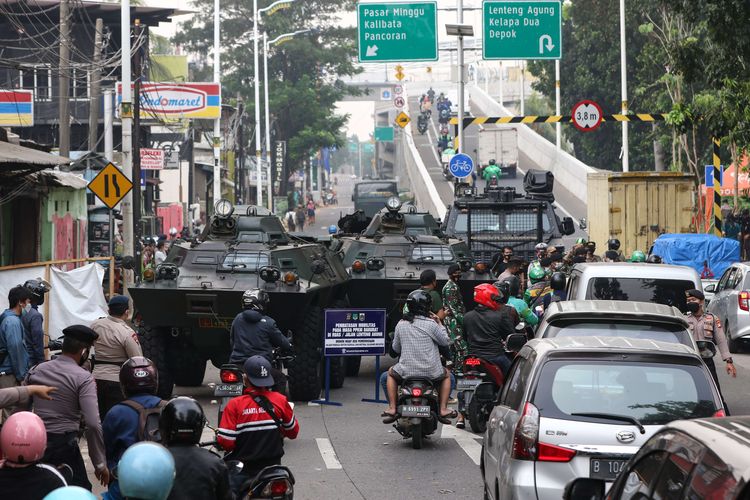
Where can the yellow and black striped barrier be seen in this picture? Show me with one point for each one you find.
(718, 222)
(490, 120)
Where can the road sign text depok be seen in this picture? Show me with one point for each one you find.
(397, 31)
(522, 29)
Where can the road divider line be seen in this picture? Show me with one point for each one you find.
(329, 455)
(465, 440)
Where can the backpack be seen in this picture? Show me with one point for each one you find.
(148, 419)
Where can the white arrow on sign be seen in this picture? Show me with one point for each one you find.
(542, 38)
(372, 51)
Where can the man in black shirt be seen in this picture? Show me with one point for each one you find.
(489, 324)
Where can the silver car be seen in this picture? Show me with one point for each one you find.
(731, 304)
(581, 406)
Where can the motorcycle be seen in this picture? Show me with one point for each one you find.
(418, 409)
(447, 175)
(275, 482)
(422, 124)
(480, 382)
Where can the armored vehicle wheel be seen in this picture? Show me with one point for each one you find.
(338, 372)
(352, 364)
(154, 344)
(304, 373)
(186, 365)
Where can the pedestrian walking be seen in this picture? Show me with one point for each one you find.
(14, 360)
(310, 212)
(75, 399)
(300, 218)
(290, 218)
(117, 343)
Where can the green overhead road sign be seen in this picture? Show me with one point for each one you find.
(521, 30)
(384, 134)
(397, 31)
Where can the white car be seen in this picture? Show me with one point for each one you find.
(581, 406)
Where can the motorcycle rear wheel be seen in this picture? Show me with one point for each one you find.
(477, 421)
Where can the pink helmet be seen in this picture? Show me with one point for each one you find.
(23, 438)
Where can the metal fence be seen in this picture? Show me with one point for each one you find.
(489, 230)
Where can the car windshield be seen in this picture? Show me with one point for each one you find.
(661, 291)
(654, 393)
(664, 332)
(520, 222)
(248, 262)
(375, 190)
(432, 253)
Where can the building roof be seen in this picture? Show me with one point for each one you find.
(109, 12)
(17, 162)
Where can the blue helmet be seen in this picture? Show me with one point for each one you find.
(146, 471)
(332, 229)
(70, 493)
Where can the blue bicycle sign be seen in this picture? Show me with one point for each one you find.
(461, 166)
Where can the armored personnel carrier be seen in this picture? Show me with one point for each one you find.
(500, 216)
(185, 307)
(386, 254)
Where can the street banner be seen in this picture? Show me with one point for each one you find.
(279, 165)
(175, 101)
(16, 108)
(354, 332)
(152, 159)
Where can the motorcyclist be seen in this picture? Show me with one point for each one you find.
(201, 475)
(492, 170)
(448, 152)
(511, 286)
(443, 141)
(637, 256)
(23, 440)
(417, 338)
(253, 425)
(489, 324)
(253, 333)
(146, 471)
(431, 94)
(541, 251)
(557, 293)
(538, 280)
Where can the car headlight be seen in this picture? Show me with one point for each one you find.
(223, 208)
(393, 203)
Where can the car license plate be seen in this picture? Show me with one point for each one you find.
(467, 383)
(414, 411)
(606, 468)
(224, 390)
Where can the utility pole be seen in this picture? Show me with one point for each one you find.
(94, 96)
(108, 125)
(461, 83)
(217, 121)
(64, 79)
(126, 115)
(523, 88)
(624, 83)
(269, 180)
(137, 151)
(558, 139)
(241, 153)
(256, 85)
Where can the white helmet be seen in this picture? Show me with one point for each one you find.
(540, 246)
(173, 230)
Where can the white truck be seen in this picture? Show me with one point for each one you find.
(499, 143)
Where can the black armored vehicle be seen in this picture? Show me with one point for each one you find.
(185, 307)
(386, 254)
(369, 196)
(502, 217)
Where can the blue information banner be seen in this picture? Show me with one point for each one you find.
(354, 332)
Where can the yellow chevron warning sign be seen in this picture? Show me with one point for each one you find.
(402, 120)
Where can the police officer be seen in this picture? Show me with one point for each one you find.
(33, 321)
(75, 397)
(117, 343)
(706, 326)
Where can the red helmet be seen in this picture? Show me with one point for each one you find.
(488, 295)
(23, 438)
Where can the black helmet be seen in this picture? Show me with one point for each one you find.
(182, 421)
(419, 302)
(138, 375)
(255, 299)
(503, 287)
(557, 281)
(493, 161)
(654, 259)
(613, 244)
(38, 288)
(514, 285)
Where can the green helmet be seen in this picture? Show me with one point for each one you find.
(638, 256)
(537, 274)
(581, 241)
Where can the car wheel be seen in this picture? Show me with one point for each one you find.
(154, 345)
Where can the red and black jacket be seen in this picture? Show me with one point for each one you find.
(250, 434)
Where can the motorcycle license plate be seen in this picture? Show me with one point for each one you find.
(228, 390)
(414, 411)
(467, 383)
(606, 468)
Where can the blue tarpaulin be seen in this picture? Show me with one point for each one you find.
(692, 249)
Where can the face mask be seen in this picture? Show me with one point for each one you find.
(692, 307)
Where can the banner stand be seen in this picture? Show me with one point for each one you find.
(377, 385)
(327, 400)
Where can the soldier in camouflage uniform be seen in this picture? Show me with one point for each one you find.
(454, 323)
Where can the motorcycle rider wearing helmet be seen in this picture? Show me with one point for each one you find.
(254, 425)
(75, 398)
(491, 170)
(201, 475)
(23, 440)
(33, 321)
(489, 324)
(417, 338)
(538, 281)
(613, 244)
(139, 380)
(511, 286)
(116, 344)
(254, 333)
(146, 472)
(656, 259)
(557, 284)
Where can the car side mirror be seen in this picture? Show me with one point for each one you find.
(706, 348)
(515, 342)
(583, 223)
(568, 227)
(710, 288)
(584, 488)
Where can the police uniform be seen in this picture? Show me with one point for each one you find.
(709, 327)
(117, 343)
(75, 397)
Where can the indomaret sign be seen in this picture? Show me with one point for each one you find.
(174, 101)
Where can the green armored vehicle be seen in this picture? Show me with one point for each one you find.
(184, 308)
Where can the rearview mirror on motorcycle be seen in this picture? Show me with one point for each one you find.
(706, 348)
(515, 342)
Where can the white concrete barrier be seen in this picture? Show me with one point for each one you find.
(570, 172)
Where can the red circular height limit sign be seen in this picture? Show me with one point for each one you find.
(587, 116)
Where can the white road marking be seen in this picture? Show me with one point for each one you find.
(466, 440)
(329, 456)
